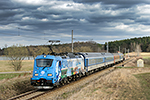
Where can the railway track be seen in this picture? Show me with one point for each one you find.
(124, 62)
(40, 94)
(28, 95)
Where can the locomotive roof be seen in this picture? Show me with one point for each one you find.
(92, 54)
(70, 55)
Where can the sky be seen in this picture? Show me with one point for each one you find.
(34, 22)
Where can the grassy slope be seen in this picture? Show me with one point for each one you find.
(120, 84)
(12, 75)
(145, 83)
(14, 86)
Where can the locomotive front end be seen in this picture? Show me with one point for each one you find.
(43, 72)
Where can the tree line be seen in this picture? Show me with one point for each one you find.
(133, 44)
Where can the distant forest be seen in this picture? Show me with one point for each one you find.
(142, 44)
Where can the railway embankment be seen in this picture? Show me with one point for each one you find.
(14, 86)
(120, 84)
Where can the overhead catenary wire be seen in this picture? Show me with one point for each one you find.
(30, 37)
(35, 36)
(19, 35)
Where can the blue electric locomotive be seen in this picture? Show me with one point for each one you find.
(52, 70)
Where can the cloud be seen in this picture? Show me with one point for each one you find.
(90, 19)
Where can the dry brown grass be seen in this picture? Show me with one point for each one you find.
(131, 63)
(27, 65)
(118, 85)
(15, 86)
(143, 54)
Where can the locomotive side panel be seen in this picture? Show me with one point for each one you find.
(71, 67)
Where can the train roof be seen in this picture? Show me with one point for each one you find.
(92, 54)
(120, 54)
(115, 54)
(62, 55)
(78, 55)
(71, 55)
(107, 54)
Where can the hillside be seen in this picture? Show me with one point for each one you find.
(89, 46)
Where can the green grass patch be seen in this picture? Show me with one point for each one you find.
(146, 57)
(145, 83)
(127, 67)
(145, 65)
(11, 75)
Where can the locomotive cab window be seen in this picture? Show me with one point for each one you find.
(44, 62)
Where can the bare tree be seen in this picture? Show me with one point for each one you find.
(16, 55)
(138, 49)
(34, 51)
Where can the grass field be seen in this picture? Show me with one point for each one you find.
(27, 65)
(145, 83)
(142, 54)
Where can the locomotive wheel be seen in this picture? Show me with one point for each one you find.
(62, 83)
(74, 78)
(86, 74)
(67, 80)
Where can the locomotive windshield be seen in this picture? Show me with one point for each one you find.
(44, 62)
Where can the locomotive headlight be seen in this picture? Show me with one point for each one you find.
(35, 74)
(49, 74)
